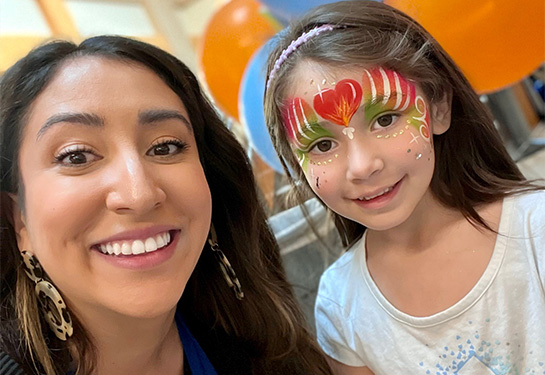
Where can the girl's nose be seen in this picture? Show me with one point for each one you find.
(364, 160)
(134, 186)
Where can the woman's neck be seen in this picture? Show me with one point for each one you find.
(127, 345)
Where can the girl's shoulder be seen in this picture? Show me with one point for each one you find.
(342, 265)
(527, 204)
(337, 281)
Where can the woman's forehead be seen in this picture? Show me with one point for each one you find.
(102, 87)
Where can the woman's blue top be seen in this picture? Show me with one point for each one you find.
(195, 359)
(194, 355)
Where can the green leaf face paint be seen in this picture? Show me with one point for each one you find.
(302, 128)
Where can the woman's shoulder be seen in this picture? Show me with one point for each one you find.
(8, 365)
(232, 355)
(227, 353)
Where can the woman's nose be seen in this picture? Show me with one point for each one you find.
(364, 160)
(134, 186)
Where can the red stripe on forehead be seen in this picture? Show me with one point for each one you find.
(289, 118)
(297, 114)
(372, 83)
(381, 83)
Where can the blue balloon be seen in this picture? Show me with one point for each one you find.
(250, 107)
(286, 10)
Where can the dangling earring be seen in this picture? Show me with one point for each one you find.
(52, 305)
(226, 269)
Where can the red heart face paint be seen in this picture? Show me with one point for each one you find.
(338, 105)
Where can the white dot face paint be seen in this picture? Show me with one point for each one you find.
(363, 141)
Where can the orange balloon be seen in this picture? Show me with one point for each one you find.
(495, 42)
(234, 33)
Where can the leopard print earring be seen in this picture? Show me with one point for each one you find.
(52, 305)
(225, 266)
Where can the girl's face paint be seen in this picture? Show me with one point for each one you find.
(379, 172)
(388, 90)
(339, 104)
(302, 128)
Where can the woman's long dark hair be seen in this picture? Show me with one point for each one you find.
(268, 320)
(472, 166)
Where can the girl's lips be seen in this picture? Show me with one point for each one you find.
(144, 260)
(381, 200)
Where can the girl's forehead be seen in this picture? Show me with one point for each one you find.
(310, 77)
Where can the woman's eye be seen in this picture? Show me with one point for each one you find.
(75, 158)
(167, 148)
(322, 146)
(386, 120)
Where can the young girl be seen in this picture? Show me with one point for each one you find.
(445, 268)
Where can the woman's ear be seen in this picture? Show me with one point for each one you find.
(440, 114)
(19, 223)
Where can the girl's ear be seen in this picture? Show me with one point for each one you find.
(19, 224)
(440, 114)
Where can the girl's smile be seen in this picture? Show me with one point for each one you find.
(380, 199)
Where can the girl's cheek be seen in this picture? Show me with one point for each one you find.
(414, 145)
(321, 174)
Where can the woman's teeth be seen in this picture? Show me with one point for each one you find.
(377, 195)
(137, 246)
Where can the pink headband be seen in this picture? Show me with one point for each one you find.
(295, 44)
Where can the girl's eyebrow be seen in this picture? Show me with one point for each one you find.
(380, 98)
(146, 117)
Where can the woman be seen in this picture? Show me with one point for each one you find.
(126, 207)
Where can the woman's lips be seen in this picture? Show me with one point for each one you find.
(140, 260)
(136, 247)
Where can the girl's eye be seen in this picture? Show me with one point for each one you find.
(168, 148)
(386, 120)
(76, 157)
(322, 146)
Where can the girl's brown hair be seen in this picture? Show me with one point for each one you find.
(472, 166)
(268, 321)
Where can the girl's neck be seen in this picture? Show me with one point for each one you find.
(427, 225)
(127, 345)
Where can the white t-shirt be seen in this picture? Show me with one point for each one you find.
(497, 328)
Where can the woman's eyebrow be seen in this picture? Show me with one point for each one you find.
(152, 116)
(90, 119)
(81, 118)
